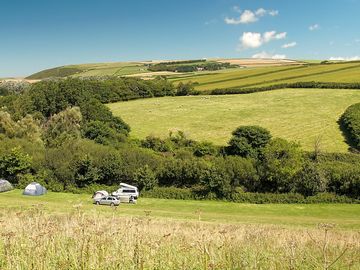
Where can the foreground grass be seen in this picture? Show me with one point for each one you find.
(64, 231)
(346, 216)
(302, 115)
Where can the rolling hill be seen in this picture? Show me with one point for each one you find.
(140, 69)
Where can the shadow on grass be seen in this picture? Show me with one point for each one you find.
(347, 136)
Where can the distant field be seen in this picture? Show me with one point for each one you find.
(301, 115)
(261, 76)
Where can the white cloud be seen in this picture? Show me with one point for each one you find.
(314, 27)
(261, 12)
(272, 35)
(266, 55)
(273, 12)
(289, 45)
(352, 58)
(251, 40)
(249, 16)
(255, 40)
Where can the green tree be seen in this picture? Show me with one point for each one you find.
(14, 163)
(86, 172)
(282, 160)
(247, 141)
(184, 89)
(310, 180)
(63, 126)
(145, 178)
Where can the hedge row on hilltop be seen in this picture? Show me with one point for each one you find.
(313, 84)
(351, 122)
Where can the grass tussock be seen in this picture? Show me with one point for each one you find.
(33, 239)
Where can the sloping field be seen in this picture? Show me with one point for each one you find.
(87, 70)
(254, 77)
(302, 115)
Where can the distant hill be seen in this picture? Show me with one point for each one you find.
(88, 70)
(141, 68)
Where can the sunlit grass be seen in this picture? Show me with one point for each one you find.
(302, 115)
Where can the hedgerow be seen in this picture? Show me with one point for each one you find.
(351, 122)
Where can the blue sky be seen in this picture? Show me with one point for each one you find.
(40, 34)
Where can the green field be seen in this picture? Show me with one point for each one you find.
(66, 231)
(262, 76)
(346, 216)
(89, 70)
(302, 115)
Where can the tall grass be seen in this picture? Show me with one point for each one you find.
(34, 239)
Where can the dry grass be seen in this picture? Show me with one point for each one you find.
(253, 62)
(33, 239)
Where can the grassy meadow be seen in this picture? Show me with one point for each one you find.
(65, 231)
(302, 115)
(346, 216)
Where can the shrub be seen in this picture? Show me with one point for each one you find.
(205, 149)
(247, 141)
(145, 178)
(282, 161)
(169, 193)
(350, 120)
(156, 144)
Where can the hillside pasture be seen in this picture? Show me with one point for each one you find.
(302, 115)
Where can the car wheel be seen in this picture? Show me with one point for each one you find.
(112, 204)
(97, 203)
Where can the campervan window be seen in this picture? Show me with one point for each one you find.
(129, 191)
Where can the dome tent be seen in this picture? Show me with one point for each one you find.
(34, 189)
(5, 185)
(99, 194)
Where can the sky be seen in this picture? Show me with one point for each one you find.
(40, 34)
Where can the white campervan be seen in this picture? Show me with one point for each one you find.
(126, 191)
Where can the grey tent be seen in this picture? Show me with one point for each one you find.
(5, 185)
(34, 189)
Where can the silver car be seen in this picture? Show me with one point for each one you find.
(107, 200)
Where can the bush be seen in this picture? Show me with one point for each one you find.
(350, 120)
(247, 141)
(330, 198)
(169, 193)
(246, 197)
(282, 161)
(145, 178)
(205, 149)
